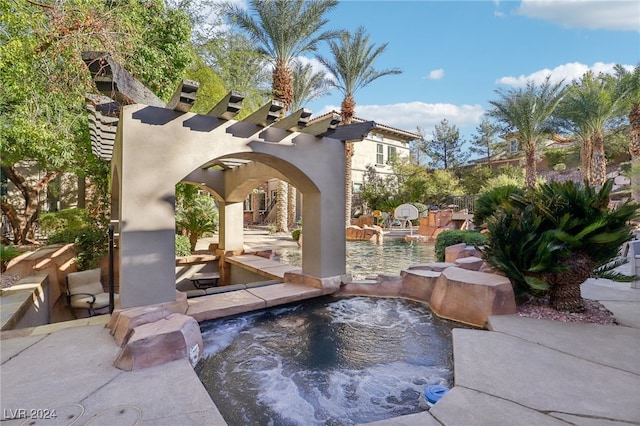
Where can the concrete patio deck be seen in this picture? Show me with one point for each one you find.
(524, 372)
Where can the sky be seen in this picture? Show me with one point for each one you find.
(454, 55)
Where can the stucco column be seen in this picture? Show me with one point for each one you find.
(324, 248)
(147, 256)
(231, 226)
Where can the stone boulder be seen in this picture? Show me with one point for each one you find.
(126, 320)
(458, 251)
(471, 297)
(373, 234)
(471, 263)
(418, 284)
(171, 338)
(432, 266)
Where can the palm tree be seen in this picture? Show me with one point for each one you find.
(352, 67)
(589, 105)
(308, 85)
(527, 112)
(283, 30)
(628, 84)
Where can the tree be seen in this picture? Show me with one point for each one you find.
(445, 149)
(527, 112)
(379, 192)
(442, 184)
(417, 147)
(553, 237)
(308, 84)
(234, 58)
(211, 88)
(198, 216)
(628, 85)
(589, 105)
(475, 178)
(44, 81)
(281, 31)
(409, 183)
(484, 143)
(351, 63)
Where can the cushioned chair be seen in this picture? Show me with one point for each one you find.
(84, 291)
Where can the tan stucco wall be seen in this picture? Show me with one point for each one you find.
(365, 154)
(156, 148)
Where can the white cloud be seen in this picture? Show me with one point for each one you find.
(620, 15)
(409, 115)
(436, 74)
(567, 72)
(315, 64)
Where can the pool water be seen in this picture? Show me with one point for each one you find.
(366, 259)
(325, 361)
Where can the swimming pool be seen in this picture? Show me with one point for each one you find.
(366, 259)
(325, 361)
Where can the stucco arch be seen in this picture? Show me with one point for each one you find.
(153, 145)
(234, 185)
(157, 147)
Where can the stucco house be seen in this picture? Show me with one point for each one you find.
(381, 144)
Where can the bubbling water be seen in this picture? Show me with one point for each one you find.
(325, 362)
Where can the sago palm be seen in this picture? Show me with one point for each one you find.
(590, 233)
(199, 217)
(554, 237)
(352, 65)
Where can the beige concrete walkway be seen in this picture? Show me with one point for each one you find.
(539, 372)
(524, 372)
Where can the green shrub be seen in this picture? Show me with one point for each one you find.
(625, 168)
(556, 156)
(183, 246)
(553, 237)
(456, 236)
(295, 234)
(560, 167)
(54, 222)
(198, 218)
(91, 243)
(494, 198)
(6, 254)
(64, 236)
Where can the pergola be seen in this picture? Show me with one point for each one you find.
(152, 146)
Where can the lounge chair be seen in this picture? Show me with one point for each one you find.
(84, 291)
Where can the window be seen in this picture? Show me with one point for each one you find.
(391, 153)
(513, 145)
(262, 201)
(379, 154)
(248, 202)
(357, 187)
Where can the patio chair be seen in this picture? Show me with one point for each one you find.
(84, 291)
